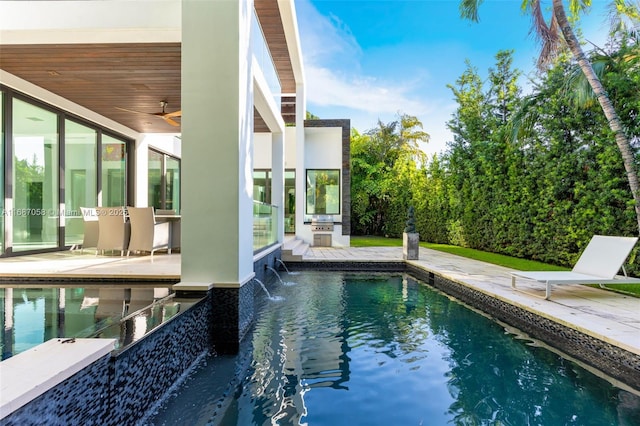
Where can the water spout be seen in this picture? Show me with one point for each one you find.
(280, 261)
(275, 272)
(263, 287)
(283, 265)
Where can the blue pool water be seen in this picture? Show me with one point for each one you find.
(31, 316)
(352, 349)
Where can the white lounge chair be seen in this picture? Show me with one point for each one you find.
(599, 263)
(146, 234)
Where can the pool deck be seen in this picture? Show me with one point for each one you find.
(603, 314)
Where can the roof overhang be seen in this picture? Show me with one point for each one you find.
(103, 57)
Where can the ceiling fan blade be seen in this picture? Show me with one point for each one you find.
(136, 112)
(174, 114)
(170, 121)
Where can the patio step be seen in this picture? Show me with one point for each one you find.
(294, 250)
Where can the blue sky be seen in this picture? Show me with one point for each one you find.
(371, 59)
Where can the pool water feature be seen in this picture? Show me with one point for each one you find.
(31, 316)
(379, 349)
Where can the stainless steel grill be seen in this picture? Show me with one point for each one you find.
(322, 224)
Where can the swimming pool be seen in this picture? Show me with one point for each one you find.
(380, 349)
(30, 316)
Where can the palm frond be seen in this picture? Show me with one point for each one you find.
(576, 7)
(548, 35)
(523, 122)
(551, 44)
(469, 9)
(577, 86)
(624, 18)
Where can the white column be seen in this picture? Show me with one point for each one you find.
(301, 187)
(217, 139)
(277, 180)
(141, 195)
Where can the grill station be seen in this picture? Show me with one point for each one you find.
(322, 227)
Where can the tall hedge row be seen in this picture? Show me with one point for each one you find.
(530, 176)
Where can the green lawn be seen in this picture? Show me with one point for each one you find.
(496, 259)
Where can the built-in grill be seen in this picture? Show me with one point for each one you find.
(322, 224)
(322, 227)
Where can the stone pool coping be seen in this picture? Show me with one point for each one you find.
(29, 374)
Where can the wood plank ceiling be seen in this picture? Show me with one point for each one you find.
(133, 76)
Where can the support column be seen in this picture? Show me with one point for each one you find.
(277, 181)
(301, 178)
(217, 167)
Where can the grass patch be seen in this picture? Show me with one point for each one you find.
(493, 258)
(369, 241)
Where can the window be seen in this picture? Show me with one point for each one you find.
(114, 172)
(164, 181)
(172, 195)
(35, 177)
(290, 201)
(323, 192)
(81, 172)
(155, 172)
(56, 163)
(262, 186)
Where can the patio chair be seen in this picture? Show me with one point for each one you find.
(146, 234)
(113, 234)
(599, 263)
(90, 223)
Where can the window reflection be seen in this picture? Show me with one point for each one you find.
(323, 192)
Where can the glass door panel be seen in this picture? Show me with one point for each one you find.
(155, 179)
(80, 177)
(290, 201)
(35, 177)
(114, 184)
(173, 184)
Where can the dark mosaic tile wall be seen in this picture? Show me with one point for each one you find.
(618, 363)
(142, 373)
(233, 309)
(80, 400)
(118, 390)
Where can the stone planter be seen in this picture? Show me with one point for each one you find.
(410, 246)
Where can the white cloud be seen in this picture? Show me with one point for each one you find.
(328, 88)
(336, 83)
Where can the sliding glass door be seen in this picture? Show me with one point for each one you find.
(164, 181)
(35, 177)
(80, 177)
(114, 172)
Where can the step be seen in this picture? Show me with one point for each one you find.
(294, 250)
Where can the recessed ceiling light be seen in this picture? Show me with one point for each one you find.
(53, 73)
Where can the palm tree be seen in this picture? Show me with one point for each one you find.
(559, 33)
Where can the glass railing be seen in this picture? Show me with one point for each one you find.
(265, 225)
(262, 54)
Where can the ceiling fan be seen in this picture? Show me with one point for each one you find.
(166, 116)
